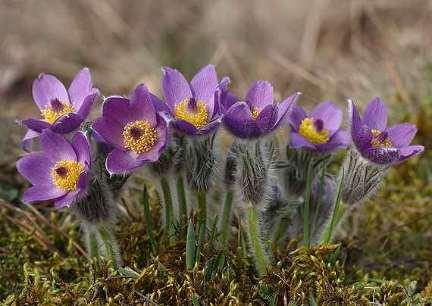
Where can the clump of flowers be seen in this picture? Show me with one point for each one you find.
(277, 195)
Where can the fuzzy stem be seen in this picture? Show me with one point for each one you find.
(281, 229)
(226, 219)
(202, 220)
(258, 251)
(181, 195)
(169, 218)
(148, 220)
(92, 245)
(110, 246)
(306, 208)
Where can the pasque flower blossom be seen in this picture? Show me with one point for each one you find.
(259, 114)
(62, 110)
(59, 172)
(193, 106)
(132, 126)
(318, 131)
(378, 143)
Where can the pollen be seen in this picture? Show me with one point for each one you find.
(380, 139)
(255, 112)
(65, 174)
(139, 136)
(56, 110)
(308, 129)
(197, 115)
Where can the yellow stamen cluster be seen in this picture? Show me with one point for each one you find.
(376, 142)
(255, 112)
(139, 136)
(65, 174)
(50, 114)
(308, 131)
(198, 117)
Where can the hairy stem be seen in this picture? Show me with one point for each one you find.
(181, 196)
(169, 217)
(202, 220)
(148, 220)
(226, 219)
(306, 208)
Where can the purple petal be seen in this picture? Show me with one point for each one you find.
(42, 193)
(330, 114)
(141, 104)
(184, 127)
(401, 135)
(360, 133)
(296, 116)
(80, 88)
(46, 88)
(27, 141)
(375, 115)
(121, 162)
(238, 120)
(117, 108)
(297, 141)
(82, 148)
(227, 100)
(36, 168)
(87, 104)
(204, 85)
(56, 147)
(339, 140)
(110, 130)
(260, 94)
(36, 124)
(382, 156)
(67, 123)
(267, 118)
(175, 87)
(409, 151)
(159, 105)
(285, 106)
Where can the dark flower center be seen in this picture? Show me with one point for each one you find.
(319, 125)
(192, 105)
(56, 105)
(135, 132)
(61, 171)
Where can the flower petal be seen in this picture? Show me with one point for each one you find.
(36, 168)
(155, 152)
(260, 94)
(339, 140)
(375, 115)
(204, 85)
(267, 118)
(47, 88)
(74, 196)
(360, 133)
(56, 147)
(297, 141)
(82, 148)
(184, 127)
(296, 116)
(121, 162)
(401, 135)
(141, 104)
(410, 151)
(27, 141)
(175, 87)
(238, 120)
(67, 123)
(382, 156)
(42, 193)
(80, 88)
(330, 114)
(117, 108)
(286, 106)
(87, 104)
(110, 130)
(36, 124)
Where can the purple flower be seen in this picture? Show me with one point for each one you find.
(132, 126)
(258, 115)
(318, 131)
(62, 110)
(377, 142)
(193, 107)
(59, 172)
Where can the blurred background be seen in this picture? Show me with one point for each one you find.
(327, 49)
